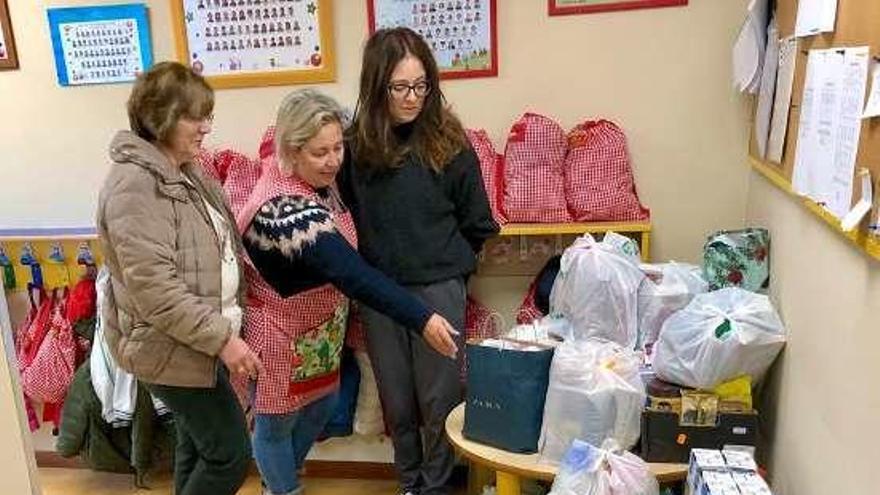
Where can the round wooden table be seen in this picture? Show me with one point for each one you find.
(510, 467)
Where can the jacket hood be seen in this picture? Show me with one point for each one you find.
(128, 147)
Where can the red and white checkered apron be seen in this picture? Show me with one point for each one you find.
(237, 173)
(490, 169)
(599, 181)
(533, 177)
(273, 325)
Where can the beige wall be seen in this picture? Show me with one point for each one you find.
(663, 74)
(823, 401)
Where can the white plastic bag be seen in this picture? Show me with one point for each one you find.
(668, 288)
(719, 336)
(597, 289)
(549, 330)
(595, 393)
(368, 413)
(587, 470)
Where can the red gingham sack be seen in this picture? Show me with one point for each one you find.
(23, 340)
(480, 322)
(48, 376)
(599, 182)
(533, 177)
(31, 336)
(490, 169)
(528, 311)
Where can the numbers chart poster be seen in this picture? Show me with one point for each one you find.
(101, 44)
(461, 33)
(256, 42)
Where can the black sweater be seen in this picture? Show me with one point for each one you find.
(414, 224)
(295, 246)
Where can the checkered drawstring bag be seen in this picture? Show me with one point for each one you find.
(533, 176)
(491, 170)
(599, 184)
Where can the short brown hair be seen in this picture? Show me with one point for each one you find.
(164, 94)
(437, 133)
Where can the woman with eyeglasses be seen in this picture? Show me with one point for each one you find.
(413, 184)
(172, 311)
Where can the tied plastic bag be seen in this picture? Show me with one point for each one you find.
(597, 288)
(587, 470)
(719, 336)
(667, 288)
(738, 258)
(595, 393)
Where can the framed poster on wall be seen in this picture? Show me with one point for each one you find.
(568, 7)
(462, 33)
(101, 44)
(8, 56)
(245, 43)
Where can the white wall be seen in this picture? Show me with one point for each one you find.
(822, 402)
(663, 74)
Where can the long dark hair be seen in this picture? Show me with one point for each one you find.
(437, 134)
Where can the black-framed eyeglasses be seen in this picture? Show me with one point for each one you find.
(400, 90)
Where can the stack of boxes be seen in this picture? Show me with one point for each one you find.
(729, 472)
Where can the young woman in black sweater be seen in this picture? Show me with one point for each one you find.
(414, 188)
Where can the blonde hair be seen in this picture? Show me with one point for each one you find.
(164, 94)
(302, 114)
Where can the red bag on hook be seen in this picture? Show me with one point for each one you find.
(82, 301)
(38, 311)
(49, 374)
(32, 334)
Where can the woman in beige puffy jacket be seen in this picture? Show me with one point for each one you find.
(173, 309)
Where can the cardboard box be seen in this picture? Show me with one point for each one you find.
(717, 483)
(738, 460)
(750, 483)
(701, 462)
(665, 440)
